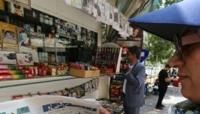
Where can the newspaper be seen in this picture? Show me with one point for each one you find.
(50, 105)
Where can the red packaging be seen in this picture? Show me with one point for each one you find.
(6, 77)
(6, 71)
(44, 72)
(31, 71)
(40, 71)
(20, 67)
(36, 71)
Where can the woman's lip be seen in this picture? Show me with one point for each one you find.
(182, 77)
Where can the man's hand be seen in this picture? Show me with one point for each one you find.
(169, 79)
(104, 111)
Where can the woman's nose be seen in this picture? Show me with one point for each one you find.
(175, 61)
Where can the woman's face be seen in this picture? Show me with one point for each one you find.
(189, 67)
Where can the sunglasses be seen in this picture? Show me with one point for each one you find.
(179, 45)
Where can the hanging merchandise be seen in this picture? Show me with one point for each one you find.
(116, 20)
(16, 8)
(102, 17)
(98, 9)
(107, 13)
(95, 9)
(111, 14)
(87, 6)
(124, 25)
(104, 13)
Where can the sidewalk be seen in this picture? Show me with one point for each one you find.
(172, 97)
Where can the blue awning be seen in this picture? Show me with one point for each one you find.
(172, 20)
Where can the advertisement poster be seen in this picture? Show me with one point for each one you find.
(30, 50)
(107, 13)
(9, 33)
(111, 15)
(88, 6)
(24, 59)
(7, 57)
(49, 105)
(116, 20)
(95, 9)
(102, 4)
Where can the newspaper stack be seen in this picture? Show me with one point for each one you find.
(50, 105)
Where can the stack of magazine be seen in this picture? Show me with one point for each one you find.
(50, 105)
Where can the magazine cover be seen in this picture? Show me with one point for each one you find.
(7, 57)
(50, 105)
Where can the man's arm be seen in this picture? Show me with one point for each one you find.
(136, 77)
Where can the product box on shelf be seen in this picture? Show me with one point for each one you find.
(24, 59)
(62, 70)
(9, 72)
(10, 47)
(9, 33)
(83, 70)
(7, 57)
(84, 73)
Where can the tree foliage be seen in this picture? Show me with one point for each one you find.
(160, 49)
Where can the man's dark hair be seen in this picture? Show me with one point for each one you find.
(167, 66)
(135, 51)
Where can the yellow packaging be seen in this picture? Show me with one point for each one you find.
(2, 5)
(9, 33)
(10, 47)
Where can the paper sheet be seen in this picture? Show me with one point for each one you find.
(50, 105)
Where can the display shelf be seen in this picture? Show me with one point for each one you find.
(23, 82)
(8, 89)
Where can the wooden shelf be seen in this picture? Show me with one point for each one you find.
(14, 83)
(24, 82)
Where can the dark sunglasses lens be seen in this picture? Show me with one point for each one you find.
(178, 47)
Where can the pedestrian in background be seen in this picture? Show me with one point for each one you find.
(134, 83)
(163, 82)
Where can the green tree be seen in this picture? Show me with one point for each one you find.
(160, 49)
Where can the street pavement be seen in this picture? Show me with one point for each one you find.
(172, 97)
